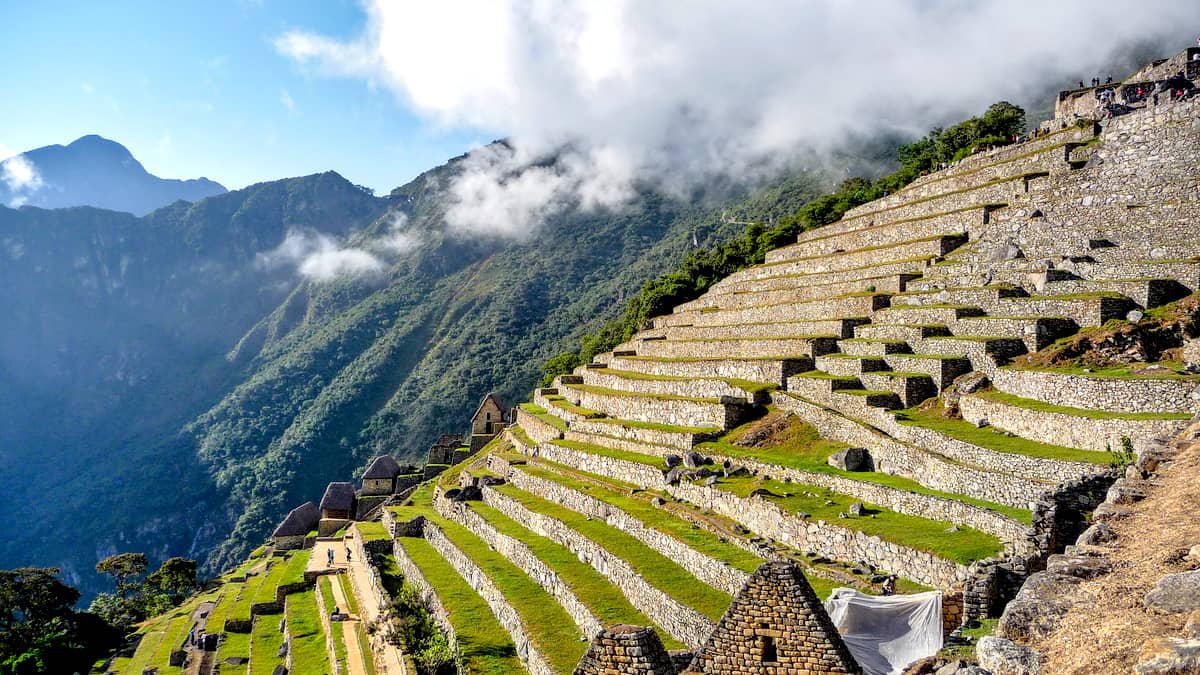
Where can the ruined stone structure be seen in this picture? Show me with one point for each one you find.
(337, 508)
(775, 626)
(626, 650)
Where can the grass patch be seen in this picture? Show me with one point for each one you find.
(984, 627)
(932, 418)
(562, 403)
(747, 385)
(372, 531)
(348, 593)
(1171, 370)
(657, 426)
(523, 437)
(1041, 406)
(636, 457)
(605, 601)
(485, 646)
(604, 391)
(658, 570)
(220, 612)
(309, 655)
(800, 446)
(540, 413)
(265, 640)
(233, 645)
(963, 546)
(325, 586)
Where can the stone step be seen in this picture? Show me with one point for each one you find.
(924, 314)
(656, 408)
(941, 369)
(841, 394)
(733, 348)
(671, 385)
(1081, 428)
(925, 225)
(838, 327)
(894, 283)
(795, 261)
(758, 279)
(984, 353)
(770, 371)
(899, 331)
(1036, 332)
(873, 347)
(849, 364)
(911, 387)
(813, 310)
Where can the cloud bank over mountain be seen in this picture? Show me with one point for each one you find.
(676, 93)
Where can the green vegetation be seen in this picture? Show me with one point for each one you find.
(348, 593)
(234, 645)
(963, 545)
(605, 391)
(39, 629)
(604, 599)
(658, 570)
(265, 640)
(372, 531)
(309, 655)
(484, 646)
(540, 413)
(934, 419)
(325, 587)
(799, 446)
(1170, 370)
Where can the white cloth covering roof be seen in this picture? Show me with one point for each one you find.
(886, 633)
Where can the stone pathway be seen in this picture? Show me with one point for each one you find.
(391, 661)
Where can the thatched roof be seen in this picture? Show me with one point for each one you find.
(300, 520)
(338, 497)
(382, 466)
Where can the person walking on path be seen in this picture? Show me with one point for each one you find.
(329, 552)
(347, 555)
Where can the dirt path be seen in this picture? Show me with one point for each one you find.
(1148, 538)
(319, 562)
(390, 661)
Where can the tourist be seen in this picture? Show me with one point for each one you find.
(889, 585)
(347, 555)
(1081, 84)
(329, 555)
(1109, 80)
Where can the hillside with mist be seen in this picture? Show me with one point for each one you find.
(176, 381)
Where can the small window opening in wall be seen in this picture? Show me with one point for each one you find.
(768, 649)
(488, 416)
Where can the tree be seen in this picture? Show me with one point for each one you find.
(124, 568)
(39, 630)
(176, 577)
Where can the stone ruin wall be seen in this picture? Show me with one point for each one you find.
(1122, 395)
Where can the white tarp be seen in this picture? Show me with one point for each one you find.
(886, 633)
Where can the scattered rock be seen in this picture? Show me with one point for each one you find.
(693, 460)
(672, 461)
(1007, 251)
(674, 476)
(1191, 629)
(951, 667)
(1005, 657)
(802, 515)
(762, 492)
(1132, 472)
(237, 660)
(851, 459)
(1097, 534)
(736, 471)
(828, 502)
(1191, 356)
(842, 514)
(1169, 656)
(709, 482)
(701, 473)
(982, 422)
(1040, 605)
(1107, 512)
(858, 509)
(280, 670)
(859, 571)
(485, 481)
(1175, 593)
(470, 493)
(658, 501)
(1134, 315)
(952, 528)
(1125, 492)
(820, 560)
(283, 649)
(740, 529)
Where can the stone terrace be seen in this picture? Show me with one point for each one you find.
(630, 493)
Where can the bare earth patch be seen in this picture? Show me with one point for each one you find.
(1107, 638)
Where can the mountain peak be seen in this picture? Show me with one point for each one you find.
(96, 171)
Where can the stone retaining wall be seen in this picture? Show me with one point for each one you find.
(855, 305)
(1124, 395)
(1062, 429)
(738, 348)
(710, 570)
(773, 371)
(519, 554)
(740, 281)
(505, 613)
(537, 430)
(768, 520)
(681, 621)
(693, 388)
(674, 411)
(678, 439)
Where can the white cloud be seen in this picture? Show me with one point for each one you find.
(399, 239)
(286, 99)
(319, 257)
(20, 176)
(677, 92)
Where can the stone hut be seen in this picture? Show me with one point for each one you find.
(299, 522)
(442, 450)
(380, 476)
(776, 625)
(489, 419)
(635, 650)
(338, 502)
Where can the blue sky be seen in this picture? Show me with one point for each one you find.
(198, 89)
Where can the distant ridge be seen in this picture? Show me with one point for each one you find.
(95, 171)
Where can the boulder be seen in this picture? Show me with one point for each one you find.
(1040, 605)
(1169, 656)
(471, 493)
(658, 501)
(280, 670)
(1005, 657)
(1191, 356)
(674, 476)
(1125, 491)
(709, 482)
(490, 480)
(672, 461)
(971, 382)
(1097, 534)
(858, 509)
(1007, 251)
(1078, 566)
(283, 649)
(851, 459)
(693, 460)
(1175, 593)
(736, 471)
